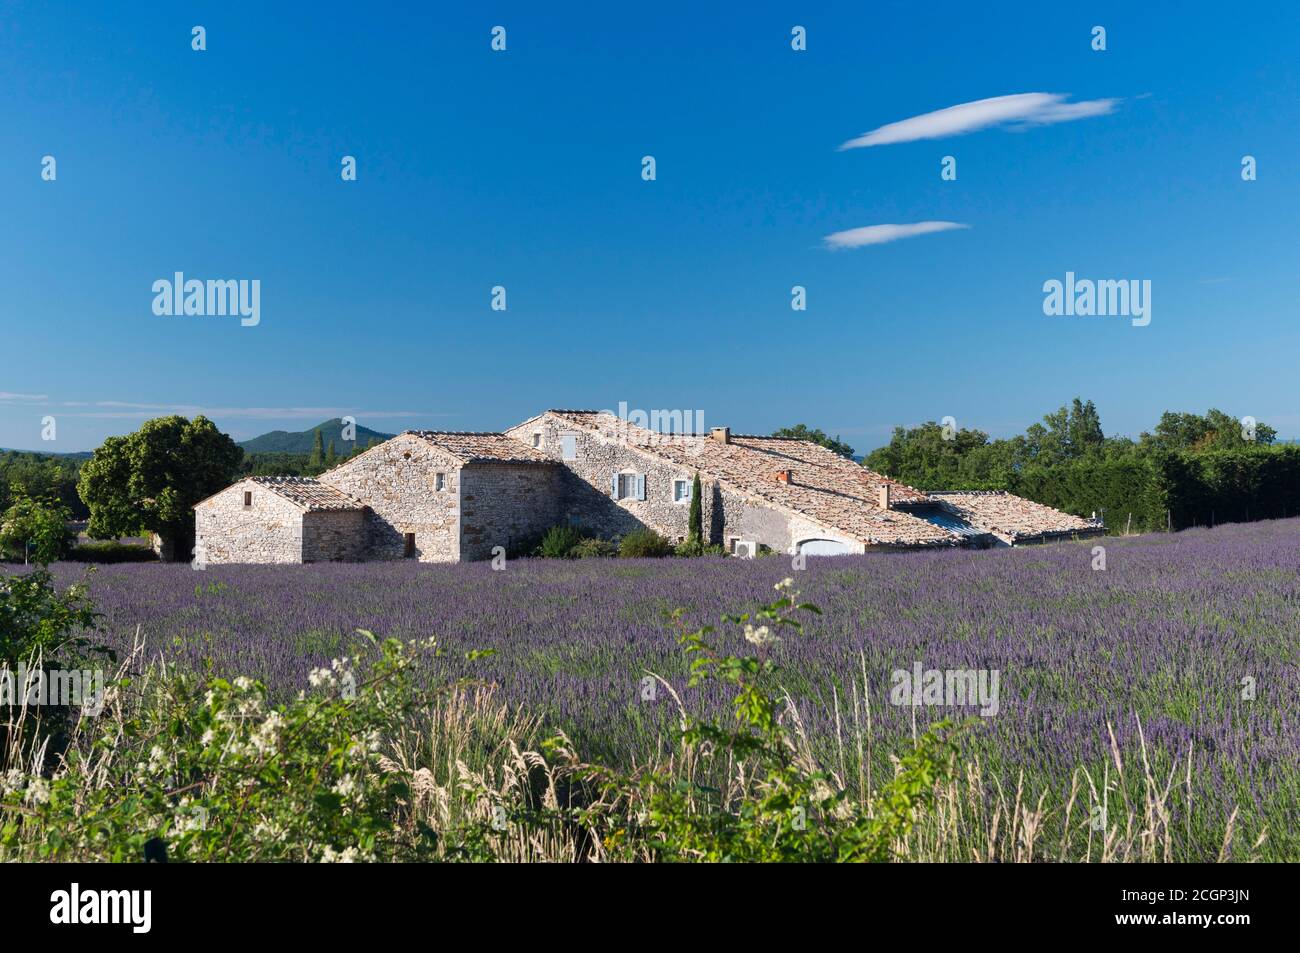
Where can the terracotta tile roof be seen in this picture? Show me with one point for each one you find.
(1011, 517)
(482, 447)
(308, 493)
(825, 487)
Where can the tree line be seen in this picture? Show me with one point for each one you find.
(1189, 470)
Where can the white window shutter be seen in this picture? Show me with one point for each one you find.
(640, 486)
(614, 488)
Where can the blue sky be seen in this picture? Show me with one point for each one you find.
(523, 169)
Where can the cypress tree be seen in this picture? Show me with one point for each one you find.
(695, 531)
(317, 451)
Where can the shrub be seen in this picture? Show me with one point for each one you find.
(212, 770)
(793, 809)
(40, 627)
(593, 548)
(559, 542)
(35, 529)
(691, 547)
(37, 620)
(112, 552)
(644, 543)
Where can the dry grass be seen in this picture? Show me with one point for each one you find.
(472, 760)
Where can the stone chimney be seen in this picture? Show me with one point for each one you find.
(720, 434)
(784, 476)
(884, 495)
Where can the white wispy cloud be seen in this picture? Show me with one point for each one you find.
(11, 397)
(129, 410)
(880, 234)
(109, 409)
(1020, 110)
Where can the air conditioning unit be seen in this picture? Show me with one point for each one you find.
(745, 549)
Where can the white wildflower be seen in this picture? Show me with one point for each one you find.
(267, 736)
(157, 760)
(38, 791)
(11, 780)
(349, 855)
(762, 636)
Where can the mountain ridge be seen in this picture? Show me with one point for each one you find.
(300, 441)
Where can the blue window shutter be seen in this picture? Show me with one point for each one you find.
(640, 486)
(614, 488)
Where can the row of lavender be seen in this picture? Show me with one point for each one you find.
(1196, 634)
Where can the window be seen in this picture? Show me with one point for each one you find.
(248, 497)
(628, 486)
(681, 491)
(537, 441)
(440, 481)
(409, 549)
(569, 446)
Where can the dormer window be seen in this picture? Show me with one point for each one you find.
(248, 497)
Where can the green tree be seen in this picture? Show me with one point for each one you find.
(1071, 432)
(150, 480)
(317, 457)
(35, 529)
(931, 457)
(801, 432)
(695, 519)
(1213, 431)
(41, 477)
(331, 456)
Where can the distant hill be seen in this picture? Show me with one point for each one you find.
(285, 441)
(74, 455)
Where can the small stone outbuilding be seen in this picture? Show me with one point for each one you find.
(279, 520)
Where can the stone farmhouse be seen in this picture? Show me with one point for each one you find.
(446, 497)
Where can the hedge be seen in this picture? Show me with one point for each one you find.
(1179, 489)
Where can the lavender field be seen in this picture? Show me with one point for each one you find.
(1173, 633)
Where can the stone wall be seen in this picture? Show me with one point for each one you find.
(745, 519)
(505, 504)
(268, 531)
(398, 480)
(803, 529)
(587, 482)
(333, 535)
